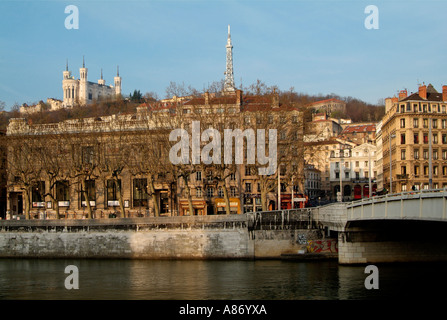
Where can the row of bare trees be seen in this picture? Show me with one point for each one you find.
(113, 148)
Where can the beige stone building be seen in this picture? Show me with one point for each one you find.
(121, 164)
(414, 140)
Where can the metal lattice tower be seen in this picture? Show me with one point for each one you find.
(229, 76)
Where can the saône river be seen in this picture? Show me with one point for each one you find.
(45, 279)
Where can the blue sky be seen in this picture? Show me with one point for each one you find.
(311, 45)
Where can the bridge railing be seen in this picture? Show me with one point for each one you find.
(281, 219)
(429, 204)
(399, 196)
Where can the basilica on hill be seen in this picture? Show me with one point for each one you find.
(83, 92)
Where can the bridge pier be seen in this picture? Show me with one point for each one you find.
(385, 241)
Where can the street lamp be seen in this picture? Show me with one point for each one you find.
(342, 151)
(367, 150)
(391, 136)
(430, 155)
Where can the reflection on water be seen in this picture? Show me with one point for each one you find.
(201, 280)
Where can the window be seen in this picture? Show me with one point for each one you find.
(283, 187)
(444, 138)
(416, 170)
(220, 192)
(88, 154)
(415, 123)
(357, 164)
(247, 187)
(210, 192)
(443, 124)
(425, 123)
(232, 177)
(426, 170)
(425, 137)
(198, 192)
(444, 154)
(416, 154)
(113, 190)
(444, 171)
(282, 135)
(62, 190)
(37, 193)
(404, 187)
(435, 170)
(199, 176)
(403, 170)
(434, 123)
(337, 175)
(402, 154)
(233, 192)
(139, 193)
(402, 123)
(90, 96)
(90, 190)
(416, 138)
(435, 138)
(247, 171)
(402, 138)
(435, 154)
(425, 154)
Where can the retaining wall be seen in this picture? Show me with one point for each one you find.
(197, 237)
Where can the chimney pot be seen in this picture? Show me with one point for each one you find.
(423, 91)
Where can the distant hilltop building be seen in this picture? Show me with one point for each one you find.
(84, 92)
(328, 106)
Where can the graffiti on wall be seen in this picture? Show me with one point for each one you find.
(317, 246)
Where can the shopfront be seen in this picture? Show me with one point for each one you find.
(199, 207)
(235, 206)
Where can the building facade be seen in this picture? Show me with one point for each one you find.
(354, 170)
(414, 140)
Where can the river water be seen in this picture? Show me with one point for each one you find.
(45, 279)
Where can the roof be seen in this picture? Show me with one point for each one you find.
(432, 95)
(359, 128)
(327, 100)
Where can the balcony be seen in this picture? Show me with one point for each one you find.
(402, 176)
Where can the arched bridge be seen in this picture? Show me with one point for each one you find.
(404, 227)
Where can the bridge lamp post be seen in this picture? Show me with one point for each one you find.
(342, 153)
(430, 155)
(369, 169)
(391, 136)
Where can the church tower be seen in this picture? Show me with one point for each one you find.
(83, 83)
(101, 81)
(229, 76)
(117, 80)
(66, 74)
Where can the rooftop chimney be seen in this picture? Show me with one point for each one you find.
(207, 98)
(238, 97)
(402, 94)
(423, 91)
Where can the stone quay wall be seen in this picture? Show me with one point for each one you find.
(181, 237)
